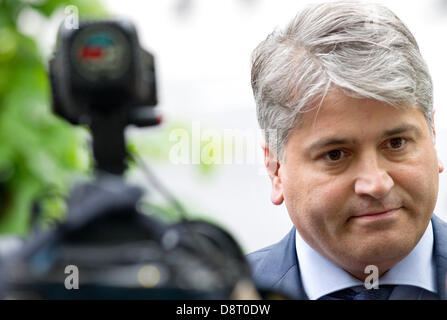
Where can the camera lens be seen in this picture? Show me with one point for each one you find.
(101, 54)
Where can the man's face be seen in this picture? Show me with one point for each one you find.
(360, 181)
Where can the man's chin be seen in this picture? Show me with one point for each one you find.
(381, 253)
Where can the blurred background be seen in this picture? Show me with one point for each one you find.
(202, 50)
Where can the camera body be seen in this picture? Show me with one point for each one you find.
(100, 68)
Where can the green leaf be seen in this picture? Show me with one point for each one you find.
(37, 149)
(84, 7)
(8, 44)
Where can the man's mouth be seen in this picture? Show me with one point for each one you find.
(376, 214)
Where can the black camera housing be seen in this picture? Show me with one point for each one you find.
(100, 68)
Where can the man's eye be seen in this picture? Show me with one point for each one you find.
(334, 155)
(396, 143)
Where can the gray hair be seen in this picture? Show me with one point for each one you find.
(362, 49)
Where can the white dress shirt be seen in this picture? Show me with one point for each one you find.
(415, 275)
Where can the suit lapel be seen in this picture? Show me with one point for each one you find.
(440, 253)
(281, 265)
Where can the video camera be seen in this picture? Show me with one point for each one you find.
(102, 78)
(108, 247)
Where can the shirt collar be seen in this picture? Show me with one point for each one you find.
(320, 276)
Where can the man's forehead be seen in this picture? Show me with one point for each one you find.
(346, 118)
(339, 109)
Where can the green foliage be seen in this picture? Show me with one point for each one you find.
(37, 150)
(85, 7)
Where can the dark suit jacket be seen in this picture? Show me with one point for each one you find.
(276, 267)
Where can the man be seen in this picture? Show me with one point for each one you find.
(345, 99)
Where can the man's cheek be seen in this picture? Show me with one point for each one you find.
(328, 197)
(418, 181)
(322, 208)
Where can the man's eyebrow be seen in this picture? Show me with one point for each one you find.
(401, 129)
(327, 142)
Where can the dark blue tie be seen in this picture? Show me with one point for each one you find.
(382, 293)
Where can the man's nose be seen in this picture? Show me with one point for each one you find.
(373, 179)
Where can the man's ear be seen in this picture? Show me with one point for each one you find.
(440, 164)
(272, 165)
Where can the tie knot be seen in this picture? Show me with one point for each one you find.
(381, 293)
